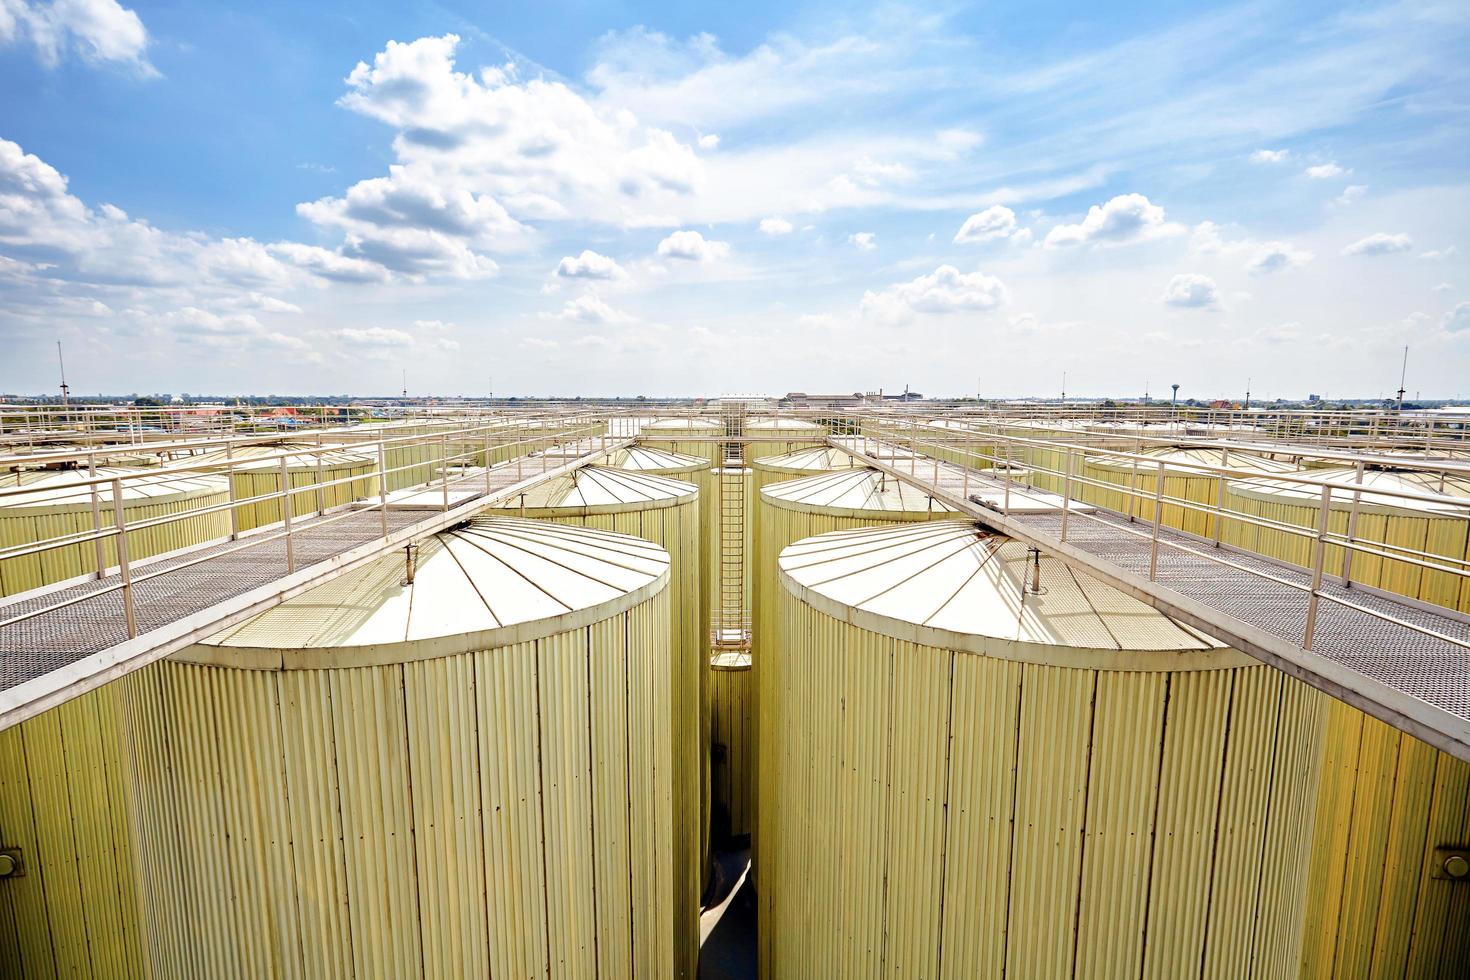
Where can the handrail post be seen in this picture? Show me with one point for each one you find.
(321, 493)
(286, 515)
(1309, 633)
(1153, 552)
(487, 461)
(444, 455)
(100, 553)
(383, 485)
(1219, 519)
(230, 481)
(119, 525)
(1067, 494)
(1352, 529)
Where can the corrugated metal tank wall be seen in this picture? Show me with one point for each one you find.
(942, 811)
(668, 516)
(793, 434)
(52, 508)
(502, 811)
(66, 802)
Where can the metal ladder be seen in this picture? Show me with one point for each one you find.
(731, 614)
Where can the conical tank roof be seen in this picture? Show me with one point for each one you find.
(489, 583)
(600, 489)
(853, 493)
(691, 425)
(646, 459)
(1450, 492)
(67, 490)
(818, 459)
(951, 585)
(1179, 460)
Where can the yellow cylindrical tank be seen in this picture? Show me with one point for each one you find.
(254, 473)
(665, 511)
(1439, 528)
(687, 436)
(55, 503)
(450, 762)
(1181, 482)
(985, 764)
(801, 462)
(791, 433)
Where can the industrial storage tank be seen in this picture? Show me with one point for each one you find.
(1436, 530)
(54, 503)
(666, 512)
(449, 762)
(990, 765)
(792, 434)
(802, 462)
(729, 580)
(255, 471)
(1182, 481)
(687, 436)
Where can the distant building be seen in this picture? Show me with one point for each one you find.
(800, 399)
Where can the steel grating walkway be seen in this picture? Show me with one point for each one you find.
(1412, 680)
(191, 589)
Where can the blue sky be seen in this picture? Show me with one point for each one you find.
(638, 198)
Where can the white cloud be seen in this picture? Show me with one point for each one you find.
(1324, 171)
(693, 247)
(1444, 287)
(1123, 219)
(375, 337)
(944, 291)
(776, 226)
(1190, 290)
(996, 221)
(1276, 257)
(95, 30)
(329, 264)
(1351, 193)
(1380, 243)
(709, 141)
(1458, 319)
(590, 265)
(588, 309)
(864, 241)
(536, 148)
(1440, 253)
(1270, 156)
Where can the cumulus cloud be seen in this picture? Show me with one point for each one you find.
(590, 265)
(709, 141)
(588, 309)
(944, 291)
(1190, 290)
(96, 31)
(994, 222)
(864, 241)
(536, 148)
(1324, 171)
(776, 226)
(1276, 257)
(1440, 253)
(329, 264)
(691, 246)
(1458, 319)
(1270, 156)
(375, 337)
(1351, 193)
(1122, 220)
(1380, 243)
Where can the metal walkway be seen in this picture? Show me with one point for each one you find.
(64, 652)
(1410, 679)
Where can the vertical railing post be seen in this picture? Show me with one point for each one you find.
(1153, 549)
(444, 455)
(1309, 632)
(124, 572)
(321, 492)
(1352, 528)
(487, 461)
(1220, 495)
(285, 481)
(1067, 494)
(383, 485)
(230, 487)
(99, 551)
